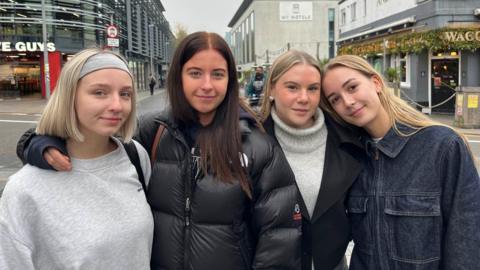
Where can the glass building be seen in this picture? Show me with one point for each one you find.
(144, 38)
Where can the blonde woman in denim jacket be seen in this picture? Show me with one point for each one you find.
(417, 203)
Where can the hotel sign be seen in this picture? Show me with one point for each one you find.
(26, 47)
(296, 11)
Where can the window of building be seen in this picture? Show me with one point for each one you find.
(364, 8)
(343, 17)
(331, 32)
(402, 63)
(353, 11)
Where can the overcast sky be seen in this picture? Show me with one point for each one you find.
(201, 15)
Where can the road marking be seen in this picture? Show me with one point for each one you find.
(473, 141)
(18, 121)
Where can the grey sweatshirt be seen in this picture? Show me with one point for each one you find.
(93, 217)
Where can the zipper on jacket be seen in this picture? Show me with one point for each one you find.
(187, 211)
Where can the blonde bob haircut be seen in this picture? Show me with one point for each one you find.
(397, 109)
(59, 117)
(279, 67)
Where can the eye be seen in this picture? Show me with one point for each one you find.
(99, 92)
(218, 74)
(195, 73)
(314, 88)
(291, 87)
(126, 93)
(352, 88)
(333, 100)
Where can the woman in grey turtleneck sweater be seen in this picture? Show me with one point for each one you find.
(321, 154)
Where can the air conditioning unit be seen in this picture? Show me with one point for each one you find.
(476, 12)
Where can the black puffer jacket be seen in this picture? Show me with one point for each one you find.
(205, 224)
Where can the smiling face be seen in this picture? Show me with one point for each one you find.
(205, 81)
(354, 97)
(103, 102)
(297, 95)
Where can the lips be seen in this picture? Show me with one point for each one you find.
(357, 112)
(112, 120)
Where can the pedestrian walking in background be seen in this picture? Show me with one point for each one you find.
(221, 192)
(322, 154)
(416, 205)
(94, 215)
(255, 87)
(152, 83)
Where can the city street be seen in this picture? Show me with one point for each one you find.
(12, 126)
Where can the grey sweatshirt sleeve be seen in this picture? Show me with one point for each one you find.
(14, 253)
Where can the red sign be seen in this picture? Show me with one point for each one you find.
(112, 31)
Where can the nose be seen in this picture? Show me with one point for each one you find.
(207, 83)
(348, 99)
(302, 96)
(116, 103)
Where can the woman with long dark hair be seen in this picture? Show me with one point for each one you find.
(222, 193)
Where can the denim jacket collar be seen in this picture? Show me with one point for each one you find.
(392, 143)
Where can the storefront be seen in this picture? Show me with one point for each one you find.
(21, 68)
(430, 64)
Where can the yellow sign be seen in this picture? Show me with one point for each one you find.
(472, 101)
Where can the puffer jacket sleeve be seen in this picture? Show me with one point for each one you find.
(276, 218)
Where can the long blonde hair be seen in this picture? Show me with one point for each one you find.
(59, 116)
(398, 110)
(280, 66)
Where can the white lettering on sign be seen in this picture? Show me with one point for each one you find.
(27, 46)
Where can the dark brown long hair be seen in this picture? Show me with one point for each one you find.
(220, 141)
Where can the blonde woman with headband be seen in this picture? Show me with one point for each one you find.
(416, 205)
(322, 154)
(95, 216)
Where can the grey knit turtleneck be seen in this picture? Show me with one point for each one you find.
(305, 152)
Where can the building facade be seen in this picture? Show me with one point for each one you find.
(261, 30)
(432, 44)
(72, 25)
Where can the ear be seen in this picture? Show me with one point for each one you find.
(273, 92)
(378, 83)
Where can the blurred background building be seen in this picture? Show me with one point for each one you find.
(430, 46)
(144, 38)
(261, 30)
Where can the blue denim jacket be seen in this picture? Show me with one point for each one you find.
(417, 203)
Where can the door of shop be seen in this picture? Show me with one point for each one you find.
(443, 82)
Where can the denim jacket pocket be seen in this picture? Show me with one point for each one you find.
(413, 226)
(360, 224)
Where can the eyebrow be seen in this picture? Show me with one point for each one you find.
(346, 82)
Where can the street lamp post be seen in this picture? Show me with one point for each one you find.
(150, 27)
(46, 66)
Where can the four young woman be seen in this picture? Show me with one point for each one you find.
(224, 197)
(96, 215)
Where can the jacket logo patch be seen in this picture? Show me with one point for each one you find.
(243, 160)
(296, 214)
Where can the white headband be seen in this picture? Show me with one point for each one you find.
(103, 61)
